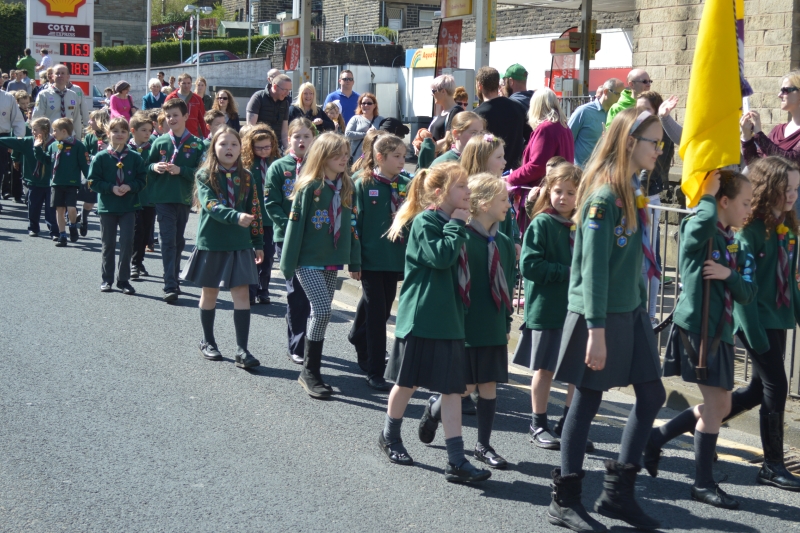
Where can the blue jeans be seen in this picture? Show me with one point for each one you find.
(172, 219)
(35, 197)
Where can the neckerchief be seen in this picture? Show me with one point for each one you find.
(298, 162)
(727, 234)
(455, 150)
(262, 166)
(176, 146)
(38, 170)
(62, 94)
(69, 141)
(784, 295)
(653, 269)
(391, 182)
(119, 156)
(229, 184)
(140, 147)
(497, 276)
(564, 221)
(335, 209)
(463, 264)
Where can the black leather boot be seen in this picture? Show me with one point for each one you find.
(773, 471)
(617, 499)
(310, 377)
(566, 509)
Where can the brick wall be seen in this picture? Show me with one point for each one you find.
(513, 22)
(121, 20)
(665, 39)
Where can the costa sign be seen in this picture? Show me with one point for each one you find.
(62, 8)
(61, 30)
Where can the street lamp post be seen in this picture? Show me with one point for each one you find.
(197, 10)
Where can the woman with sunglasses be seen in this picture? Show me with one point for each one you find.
(365, 119)
(784, 139)
(226, 103)
(443, 90)
(305, 106)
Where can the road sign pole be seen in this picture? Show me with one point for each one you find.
(586, 17)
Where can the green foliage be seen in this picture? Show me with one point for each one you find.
(13, 41)
(386, 32)
(168, 53)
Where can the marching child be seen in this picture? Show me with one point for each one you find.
(463, 127)
(37, 175)
(429, 346)
(281, 177)
(769, 238)
(140, 142)
(379, 193)
(259, 150)
(214, 119)
(320, 239)
(117, 174)
(170, 184)
(606, 316)
(229, 242)
(95, 142)
(68, 157)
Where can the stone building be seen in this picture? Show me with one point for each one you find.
(356, 17)
(266, 10)
(118, 22)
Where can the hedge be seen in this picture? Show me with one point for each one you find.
(168, 53)
(12, 42)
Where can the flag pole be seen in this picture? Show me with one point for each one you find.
(701, 371)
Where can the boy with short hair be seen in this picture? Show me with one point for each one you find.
(214, 119)
(142, 130)
(68, 157)
(174, 157)
(160, 124)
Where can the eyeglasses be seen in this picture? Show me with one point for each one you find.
(646, 82)
(462, 104)
(222, 97)
(346, 79)
(367, 103)
(267, 148)
(658, 144)
(615, 92)
(789, 90)
(434, 91)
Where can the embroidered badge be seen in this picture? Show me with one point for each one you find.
(619, 230)
(374, 202)
(373, 192)
(320, 218)
(596, 212)
(594, 225)
(622, 241)
(733, 248)
(288, 185)
(715, 255)
(747, 271)
(236, 180)
(294, 216)
(266, 192)
(72, 102)
(618, 202)
(287, 173)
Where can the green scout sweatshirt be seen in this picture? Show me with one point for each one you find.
(166, 188)
(448, 156)
(545, 262)
(259, 181)
(144, 198)
(606, 259)
(626, 101)
(427, 153)
(280, 183)
(308, 242)
(23, 146)
(763, 313)
(484, 323)
(103, 177)
(373, 221)
(510, 228)
(92, 143)
(430, 304)
(695, 232)
(219, 229)
(72, 162)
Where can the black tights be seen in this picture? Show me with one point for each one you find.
(650, 397)
(768, 386)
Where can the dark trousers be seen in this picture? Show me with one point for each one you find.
(768, 386)
(172, 219)
(261, 288)
(108, 235)
(35, 197)
(145, 220)
(298, 309)
(368, 332)
(7, 174)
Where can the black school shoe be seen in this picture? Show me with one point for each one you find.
(84, 223)
(61, 241)
(246, 360)
(379, 384)
(210, 352)
(486, 454)
(134, 272)
(170, 296)
(263, 300)
(73, 233)
(714, 496)
(428, 424)
(466, 473)
(126, 287)
(396, 452)
(105, 287)
(544, 438)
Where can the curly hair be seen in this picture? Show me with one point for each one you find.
(254, 134)
(770, 179)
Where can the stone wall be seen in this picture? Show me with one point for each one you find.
(522, 21)
(364, 16)
(265, 10)
(665, 39)
(121, 20)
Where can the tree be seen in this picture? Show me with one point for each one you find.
(13, 42)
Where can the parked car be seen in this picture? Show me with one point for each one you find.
(98, 67)
(211, 57)
(98, 99)
(366, 39)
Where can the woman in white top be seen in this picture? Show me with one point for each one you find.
(365, 119)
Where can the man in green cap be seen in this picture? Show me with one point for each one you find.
(516, 85)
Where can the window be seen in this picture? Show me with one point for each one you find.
(426, 18)
(98, 39)
(221, 56)
(117, 43)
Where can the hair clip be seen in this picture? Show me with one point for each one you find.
(488, 138)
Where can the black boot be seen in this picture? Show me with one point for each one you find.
(617, 500)
(652, 456)
(566, 509)
(773, 471)
(310, 378)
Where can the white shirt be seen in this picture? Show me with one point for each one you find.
(11, 118)
(45, 62)
(48, 104)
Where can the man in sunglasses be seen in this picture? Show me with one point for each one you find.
(346, 96)
(638, 82)
(271, 106)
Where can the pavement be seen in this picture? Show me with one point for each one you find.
(111, 421)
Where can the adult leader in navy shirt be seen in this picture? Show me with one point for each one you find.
(348, 99)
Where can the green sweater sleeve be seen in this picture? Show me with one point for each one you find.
(211, 204)
(355, 242)
(747, 316)
(83, 164)
(441, 251)
(139, 176)
(273, 199)
(40, 154)
(13, 143)
(358, 189)
(295, 229)
(702, 226)
(96, 177)
(598, 242)
(535, 266)
(510, 271)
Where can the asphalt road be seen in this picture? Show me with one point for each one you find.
(111, 421)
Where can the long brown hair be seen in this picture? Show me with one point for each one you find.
(232, 109)
(312, 174)
(366, 159)
(476, 154)
(770, 178)
(383, 145)
(422, 193)
(210, 167)
(254, 134)
(374, 101)
(559, 174)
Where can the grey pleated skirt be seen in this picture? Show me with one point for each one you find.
(677, 361)
(85, 194)
(538, 349)
(484, 364)
(631, 352)
(221, 269)
(434, 364)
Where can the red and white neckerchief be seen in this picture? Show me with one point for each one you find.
(298, 162)
(263, 166)
(397, 200)
(119, 156)
(564, 221)
(176, 146)
(69, 141)
(497, 276)
(335, 209)
(229, 184)
(727, 234)
(38, 170)
(464, 283)
(139, 147)
(653, 269)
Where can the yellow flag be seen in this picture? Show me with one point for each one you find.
(710, 137)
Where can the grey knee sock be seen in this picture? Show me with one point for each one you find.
(486, 410)
(585, 405)
(241, 321)
(391, 429)
(650, 397)
(455, 451)
(436, 408)
(683, 423)
(704, 446)
(207, 321)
